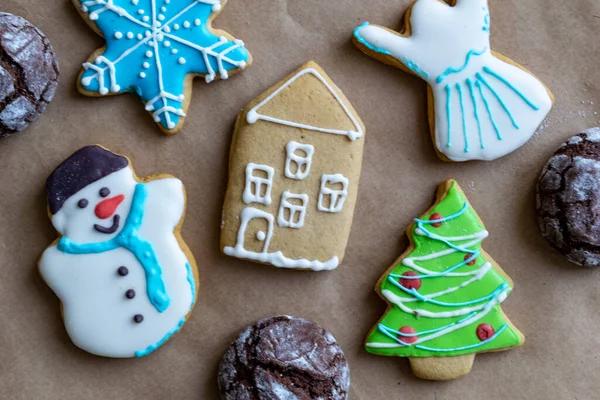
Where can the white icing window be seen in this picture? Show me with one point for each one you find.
(259, 181)
(334, 190)
(292, 210)
(299, 160)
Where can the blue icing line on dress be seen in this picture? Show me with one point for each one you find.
(129, 239)
(418, 346)
(453, 70)
(150, 51)
(514, 89)
(364, 42)
(464, 119)
(489, 111)
(448, 111)
(474, 101)
(152, 348)
(495, 93)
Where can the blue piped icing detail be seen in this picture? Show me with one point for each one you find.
(476, 111)
(413, 66)
(449, 114)
(497, 96)
(368, 45)
(464, 119)
(489, 71)
(130, 239)
(152, 348)
(489, 111)
(453, 70)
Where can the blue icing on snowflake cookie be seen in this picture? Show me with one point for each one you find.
(151, 45)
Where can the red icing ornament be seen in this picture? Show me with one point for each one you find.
(485, 331)
(408, 330)
(472, 262)
(435, 217)
(410, 283)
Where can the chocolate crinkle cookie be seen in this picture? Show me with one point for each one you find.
(568, 199)
(284, 358)
(28, 73)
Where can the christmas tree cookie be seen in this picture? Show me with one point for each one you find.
(154, 48)
(444, 294)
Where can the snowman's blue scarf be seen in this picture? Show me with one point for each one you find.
(129, 238)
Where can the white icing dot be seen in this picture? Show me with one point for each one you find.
(118, 35)
(186, 24)
(216, 7)
(160, 37)
(145, 18)
(167, 29)
(84, 9)
(176, 26)
(161, 17)
(181, 60)
(171, 124)
(174, 51)
(197, 22)
(135, 2)
(166, 43)
(148, 33)
(149, 54)
(151, 43)
(141, 12)
(93, 16)
(156, 24)
(115, 88)
(163, 9)
(103, 90)
(146, 65)
(167, 1)
(129, 35)
(139, 36)
(260, 235)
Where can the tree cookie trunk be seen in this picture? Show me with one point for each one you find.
(441, 368)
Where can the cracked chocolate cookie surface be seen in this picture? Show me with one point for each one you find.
(28, 73)
(568, 199)
(284, 358)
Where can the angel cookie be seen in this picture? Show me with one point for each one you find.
(154, 48)
(482, 106)
(126, 279)
(294, 168)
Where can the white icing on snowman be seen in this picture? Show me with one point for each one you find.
(485, 108)
(99, 315)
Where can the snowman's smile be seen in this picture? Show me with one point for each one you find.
(111, 229)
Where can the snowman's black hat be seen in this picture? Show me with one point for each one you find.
(85, 166)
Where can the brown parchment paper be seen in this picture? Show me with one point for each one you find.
(554, 303)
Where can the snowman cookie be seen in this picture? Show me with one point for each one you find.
(126, 279)
(482, 106)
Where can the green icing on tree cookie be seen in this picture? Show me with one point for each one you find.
(445, 296)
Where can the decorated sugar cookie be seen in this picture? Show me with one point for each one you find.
(444, 294)
(126, 279)
(482, 106)
(295, 164)
(154, 48)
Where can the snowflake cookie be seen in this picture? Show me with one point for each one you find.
(151, 48)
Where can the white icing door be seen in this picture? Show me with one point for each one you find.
(256, 230)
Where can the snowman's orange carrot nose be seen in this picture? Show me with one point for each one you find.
(106, 208)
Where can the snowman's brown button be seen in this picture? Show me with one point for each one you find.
(122, 271)
(130, 294)
(138, 318)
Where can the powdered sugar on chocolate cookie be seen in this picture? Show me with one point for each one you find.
(28, 73)
(568, 199)
(284, 358)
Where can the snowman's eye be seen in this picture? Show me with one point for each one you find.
(104, 192)
(83, 203)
